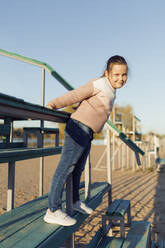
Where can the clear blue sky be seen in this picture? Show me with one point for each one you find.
(76, 38)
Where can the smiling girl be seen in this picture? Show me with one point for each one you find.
(96, 100)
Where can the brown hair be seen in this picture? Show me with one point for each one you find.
(119, 60)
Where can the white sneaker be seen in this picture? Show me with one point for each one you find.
(59, 217)
(82, 208)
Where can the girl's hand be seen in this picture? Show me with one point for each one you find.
(49, 106)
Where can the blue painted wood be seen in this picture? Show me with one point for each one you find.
(138, 235)
(96, 239)
(11, 145)
(24, 226)
(160, 244)
(44, 130)
(118, 207)
(162, 161)
(18, 109)
(16, 154)
(116, 212)
(113, 206)
(4, 129)
(122, 208)
(101, 241)
(111, 242)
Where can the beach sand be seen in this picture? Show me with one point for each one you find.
(145, 190)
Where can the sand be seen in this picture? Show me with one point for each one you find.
(145, 190)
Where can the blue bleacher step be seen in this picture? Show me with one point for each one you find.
(42, 130)
(115, 215)
(24, 226)
(118, 207)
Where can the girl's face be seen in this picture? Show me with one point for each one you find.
(117, 75)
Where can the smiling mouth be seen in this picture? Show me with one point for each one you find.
(120, 84)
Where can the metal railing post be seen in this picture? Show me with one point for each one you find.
(122, 156)
(88, 178)
(11, 184)
(41, 170)
(119, 155)
(109, 166)
(127, 156)
(11, 174)
(69, 207)
(43, 88)
(113, 151)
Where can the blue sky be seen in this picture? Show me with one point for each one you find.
(76, 38)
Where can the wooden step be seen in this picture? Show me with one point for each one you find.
(139, 235)
(111, 242)
(24, 226)
(118, 207)
(101, 241)
(115, 215)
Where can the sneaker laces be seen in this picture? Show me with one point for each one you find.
(61, 214)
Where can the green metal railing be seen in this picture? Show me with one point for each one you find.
(125, 139)
(35, 62)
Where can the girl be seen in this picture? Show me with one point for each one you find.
(96, 100)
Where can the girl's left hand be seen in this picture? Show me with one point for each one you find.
(49, 106)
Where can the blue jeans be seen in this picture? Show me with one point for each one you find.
(76, 148)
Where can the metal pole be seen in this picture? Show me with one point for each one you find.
(11, 174)
(113, 151)
(43, 88)
(41, 171)
(69, 207)
(133, 138)
(122, 156)
(113, 142)
(119, 156)
(109, 167)
(127, 157)
(133, 161)
(87, 178)
(11, 184)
